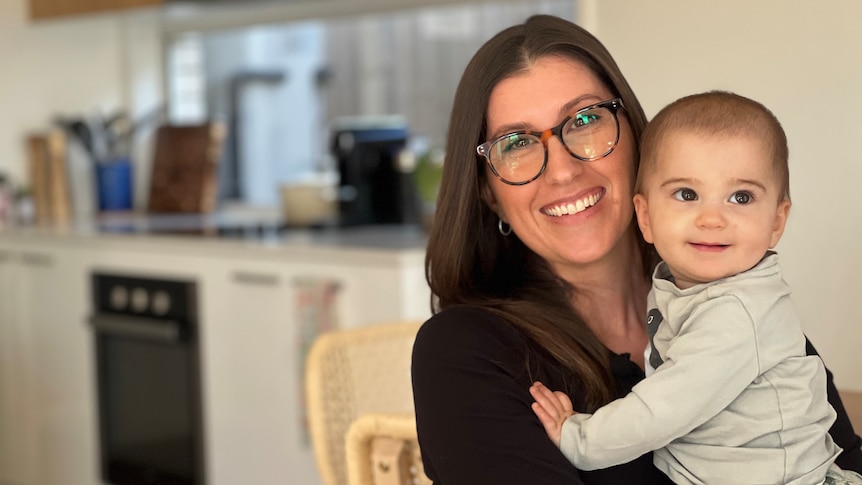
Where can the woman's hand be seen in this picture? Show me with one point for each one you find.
(552, 408)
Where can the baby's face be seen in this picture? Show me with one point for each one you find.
(712, 206)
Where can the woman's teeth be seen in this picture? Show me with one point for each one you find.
(573, 207)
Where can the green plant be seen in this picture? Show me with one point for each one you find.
(429, 170)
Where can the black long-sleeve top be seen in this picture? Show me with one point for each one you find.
(475, 424)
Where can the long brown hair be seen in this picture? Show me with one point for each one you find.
(468, 262)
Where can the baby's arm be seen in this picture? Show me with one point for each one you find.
(552, 408)
(706, 367)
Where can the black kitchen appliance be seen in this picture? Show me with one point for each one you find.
(376, 179)
(148, 369)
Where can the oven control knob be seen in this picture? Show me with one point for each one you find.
(140, 300)
(161, 303)
(119, 298)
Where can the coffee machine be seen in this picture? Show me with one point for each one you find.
(375, 170)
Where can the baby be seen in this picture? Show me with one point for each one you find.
(731, 396)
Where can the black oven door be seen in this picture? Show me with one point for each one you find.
(148, 395)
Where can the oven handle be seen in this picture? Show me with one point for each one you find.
(167, 331)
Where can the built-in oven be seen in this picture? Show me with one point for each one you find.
(148, 375)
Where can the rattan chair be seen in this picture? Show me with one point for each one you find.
(382, 449)
(362, 375)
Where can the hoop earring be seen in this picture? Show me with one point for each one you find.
(504, 228)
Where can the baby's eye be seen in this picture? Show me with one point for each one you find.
(742, 197)
(685, 195)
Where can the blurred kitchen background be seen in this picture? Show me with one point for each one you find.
(284, 88)
(283, 78)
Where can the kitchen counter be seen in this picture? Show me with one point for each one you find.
(250, 233)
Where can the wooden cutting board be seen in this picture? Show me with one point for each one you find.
(49, 181)
(185, 168)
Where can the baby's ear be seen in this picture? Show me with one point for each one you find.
(642, 212)
(780, 222)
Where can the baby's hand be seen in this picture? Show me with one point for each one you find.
(552, 408)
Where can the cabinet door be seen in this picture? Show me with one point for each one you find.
(17, 441)
(252, 377)
(40, 9)
(54, 293)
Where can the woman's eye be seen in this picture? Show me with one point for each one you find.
(583, 119)
(515, 142)
(685, 195)
(742, 197)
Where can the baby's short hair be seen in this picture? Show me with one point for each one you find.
(716, 113)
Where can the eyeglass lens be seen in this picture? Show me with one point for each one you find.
(588, 135)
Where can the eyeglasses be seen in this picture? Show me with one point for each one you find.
(591, 133)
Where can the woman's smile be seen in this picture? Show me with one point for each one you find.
(563, 208)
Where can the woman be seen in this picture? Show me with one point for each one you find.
(539, 270)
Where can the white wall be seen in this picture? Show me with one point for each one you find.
(73, 66)
(803, 60)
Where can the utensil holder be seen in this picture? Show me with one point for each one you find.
(114, 184)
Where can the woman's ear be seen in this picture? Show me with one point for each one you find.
(642, 213)
(780, 222)
(489, 197)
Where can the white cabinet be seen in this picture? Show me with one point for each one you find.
(55, 297)
(17, 441)
(252, 382)
(259, 310)
(261, 318)
(48, 427)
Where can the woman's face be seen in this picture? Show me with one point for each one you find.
(600, 191)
